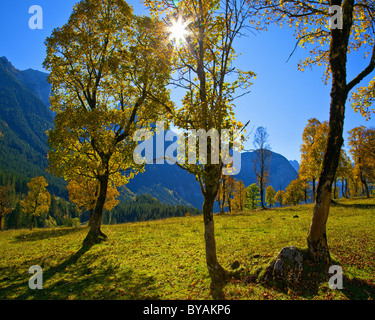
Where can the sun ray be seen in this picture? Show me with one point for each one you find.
(178, 31)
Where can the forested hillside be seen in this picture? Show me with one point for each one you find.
(24, 120)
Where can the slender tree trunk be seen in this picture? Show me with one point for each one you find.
(335, 188)
(32, 222)
(314, 191)
(345, 188)
(2, 218)
(217, 273)
(365, 186)
(261, 192)
(219, 202)
(95, 235)
(317, 238)
(342, 187)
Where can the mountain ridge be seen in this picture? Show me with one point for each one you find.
(25, 117)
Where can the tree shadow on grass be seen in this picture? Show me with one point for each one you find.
(17, 275)
(75, 278)
(44, 234)
(358, 289)
(364, 206)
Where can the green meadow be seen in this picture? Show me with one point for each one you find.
(165, 259)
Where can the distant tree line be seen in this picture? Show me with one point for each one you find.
(145, 207)
(354, 177)
(28, 204)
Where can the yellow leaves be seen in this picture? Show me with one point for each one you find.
(38, 198)
(363, 99)
(362, 149)
(84, 193)
(103, 63)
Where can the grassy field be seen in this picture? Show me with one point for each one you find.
(165, 259)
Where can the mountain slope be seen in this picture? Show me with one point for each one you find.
(36, 82)
(294, 164)
(24, 120)
(280, 175)
(184, 185)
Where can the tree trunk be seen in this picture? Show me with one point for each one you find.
(261, 195)
(91, 217)
(335, 188)
(347, 189)
(317, 237)
(95, 235)
(342, 187)
(314, 191)
(224, 192)
(2, 218)
(32, 222)
(217, 273)
(365, 186)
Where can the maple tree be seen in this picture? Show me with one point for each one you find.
(252, 197)
(343, 172)
(295, 192)
(5, 203)
(203, 63)
(109, 71)
(355, 185)
(38, 199)
(262, 160)
(330, 47)
(314, 141)
(280, 197)
(239, 195)
(270, 196)
(362, 145)
(226, 193)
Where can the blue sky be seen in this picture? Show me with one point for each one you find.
(282, 98)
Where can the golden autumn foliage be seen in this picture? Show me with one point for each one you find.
(38, 199)
(239, 195)
(84, 193)
(270, 196)
(5, 203)
(295, 192)
(280, 197)
(109, 71)
(362, 149)
(231, 194)
(314, 142)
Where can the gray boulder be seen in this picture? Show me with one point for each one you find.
(287, 269)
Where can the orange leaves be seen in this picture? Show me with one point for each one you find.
(84, 193)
